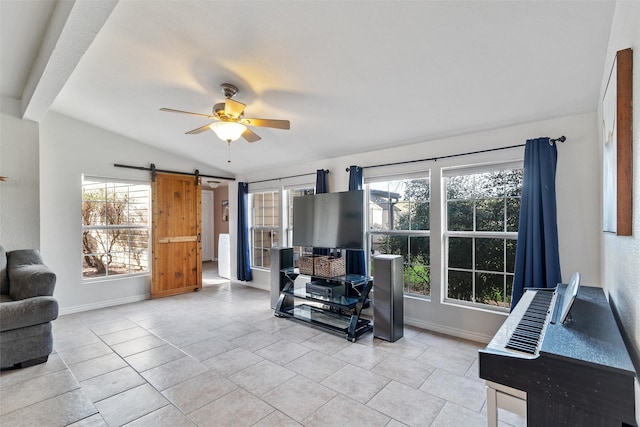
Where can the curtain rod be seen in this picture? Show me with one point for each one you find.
(435, 159)
(285, 177)
(153, 170)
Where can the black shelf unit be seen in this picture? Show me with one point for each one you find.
(340, 315)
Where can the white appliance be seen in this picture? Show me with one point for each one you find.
(224, 256)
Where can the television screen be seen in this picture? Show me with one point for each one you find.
(329, 220)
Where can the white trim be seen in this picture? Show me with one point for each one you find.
(460, 333)
(486, 308)
(257, 188)
(482, 167)
(251, 284)
(310, 184)
(483, 234)
(103, 304)
(115, 180)
(115, 277)
(398, 176)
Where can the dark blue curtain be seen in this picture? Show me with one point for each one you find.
(355, 259)
(321, 188)
(322, 185)
(537, 257)
(244, 258)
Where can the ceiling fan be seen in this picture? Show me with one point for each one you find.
(230, 123)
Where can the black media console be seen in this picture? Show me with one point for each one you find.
(325, 304)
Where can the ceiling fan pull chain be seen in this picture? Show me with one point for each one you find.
(229, 151)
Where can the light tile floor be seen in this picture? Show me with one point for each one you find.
(219, 357)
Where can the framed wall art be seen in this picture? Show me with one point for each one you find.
(617, 167)
(225, 210)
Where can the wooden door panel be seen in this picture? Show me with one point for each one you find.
(177, 207)
(177, 249)
(177, 273)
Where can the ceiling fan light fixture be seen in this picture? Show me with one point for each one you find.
(228, 131)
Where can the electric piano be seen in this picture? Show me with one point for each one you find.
(576, 373)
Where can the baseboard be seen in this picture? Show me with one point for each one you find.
(460, 333)
(260, 286)
(103, 304)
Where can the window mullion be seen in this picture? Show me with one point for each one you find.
(504, 271)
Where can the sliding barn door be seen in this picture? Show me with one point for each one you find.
(176, 230)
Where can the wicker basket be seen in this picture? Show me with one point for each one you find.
(307, 264)
(329, 267)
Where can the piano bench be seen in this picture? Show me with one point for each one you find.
(507, 398)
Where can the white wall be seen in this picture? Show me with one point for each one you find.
(69, 149)
(577, 187)
(621, 255)
(19, 199)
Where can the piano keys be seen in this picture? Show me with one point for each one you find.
(579, 372)
(527, 335)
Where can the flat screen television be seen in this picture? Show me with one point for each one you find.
(329, 220)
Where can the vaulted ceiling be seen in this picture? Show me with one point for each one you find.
(351, 76)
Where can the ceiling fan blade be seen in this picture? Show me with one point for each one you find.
(250, 136)
(233, 108)
(198, 130)
(171, 110)
(267, 123)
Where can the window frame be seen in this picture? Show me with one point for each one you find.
(368, 181)
(474, 234)
(107, 228)
(277, 229)
(287, 222)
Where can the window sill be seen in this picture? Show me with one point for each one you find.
(471, 306)
(114, 278)
(417, 297)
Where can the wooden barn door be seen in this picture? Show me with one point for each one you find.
(176, 231)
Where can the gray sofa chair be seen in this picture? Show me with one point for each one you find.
(27, 308)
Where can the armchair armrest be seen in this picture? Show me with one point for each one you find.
(31, 280)
(27, 312)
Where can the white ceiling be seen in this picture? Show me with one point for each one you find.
(351, 76)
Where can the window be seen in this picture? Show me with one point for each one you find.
(264, 227)
(298, 251)
(115, 228)
(399, 224)
(482, 209)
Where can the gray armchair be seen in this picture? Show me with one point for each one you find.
(27, 308)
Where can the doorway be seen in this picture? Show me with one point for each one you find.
(215, 221)
(208, 226)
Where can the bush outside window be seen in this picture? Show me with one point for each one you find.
(482, 210)
(398, 224)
